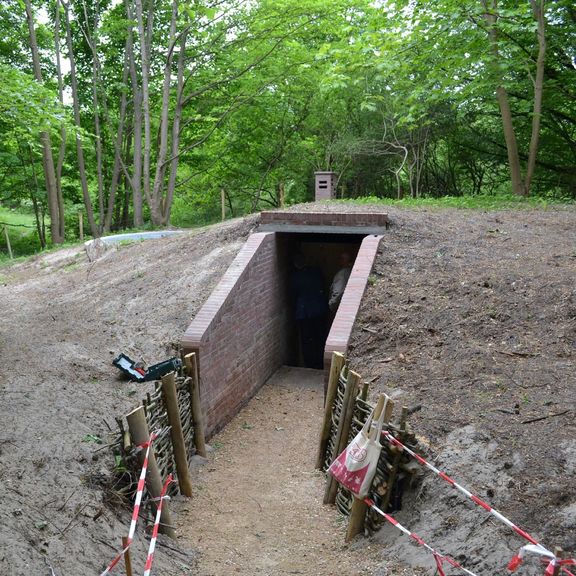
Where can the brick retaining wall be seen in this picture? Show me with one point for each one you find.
(241, 332)
(341, 330)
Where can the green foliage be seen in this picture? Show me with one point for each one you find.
(396, 97)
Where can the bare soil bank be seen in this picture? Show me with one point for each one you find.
(470, 314)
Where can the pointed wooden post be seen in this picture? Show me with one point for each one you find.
(140, 435)
(191, 363)
(359, 508)
(335, 369)
(343, 431)
(8, 243)
(170, 396)
(81, 226)
(127, 558)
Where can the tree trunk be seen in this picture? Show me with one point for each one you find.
(38, 217)
(538, 7)
(145, 66)
(167, 208)
(62, 150)
(137, 126)
(79, 148)
(518, 185)
(56, 227)
(157, 190)
(117, 150)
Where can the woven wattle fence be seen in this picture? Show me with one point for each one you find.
(349, 412)
(154, 404)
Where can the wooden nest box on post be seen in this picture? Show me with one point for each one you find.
(325, 188)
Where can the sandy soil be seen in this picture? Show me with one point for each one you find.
(258, 509)
(471, 315)
(63, 320)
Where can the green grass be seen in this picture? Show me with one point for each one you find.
(13, 217)
(22, 232)
(479, 202)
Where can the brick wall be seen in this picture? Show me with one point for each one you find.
(341, 330)
(241, 332)
(349, 219)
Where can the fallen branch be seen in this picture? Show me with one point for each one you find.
(544, 417)
(521, 354)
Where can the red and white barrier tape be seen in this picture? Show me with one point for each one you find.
(439, 558)
(478, 501)
(541, 551)
(137, 501)
(150, 558)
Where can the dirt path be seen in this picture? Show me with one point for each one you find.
(258, 506)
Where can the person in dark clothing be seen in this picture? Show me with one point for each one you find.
(311, 310)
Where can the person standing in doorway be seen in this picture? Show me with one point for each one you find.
(340, 280)
(311, 311)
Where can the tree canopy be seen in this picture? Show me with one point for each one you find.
(150, 111)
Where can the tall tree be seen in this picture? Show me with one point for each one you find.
(54, 207)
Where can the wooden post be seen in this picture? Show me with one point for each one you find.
(8, 243)
(359, 507)
(364, 393)
(343, 430)
(395, 463)
(559, 553)
(140, 434)
(356, 519)
(81, 225)
(191, 362)
(331, 390)
(223, 203)
(170, 396)
(127, 559)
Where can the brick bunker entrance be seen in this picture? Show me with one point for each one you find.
(246, 330)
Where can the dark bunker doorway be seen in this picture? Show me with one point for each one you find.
(312, 262)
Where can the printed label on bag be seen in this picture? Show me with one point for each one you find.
(357, 453)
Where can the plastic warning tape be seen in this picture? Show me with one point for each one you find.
(478, 501)
(438, 558)
(137, 501)
(541, 551)
(150, 558)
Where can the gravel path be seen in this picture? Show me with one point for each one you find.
(258, 507)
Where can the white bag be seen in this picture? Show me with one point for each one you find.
(356, 465)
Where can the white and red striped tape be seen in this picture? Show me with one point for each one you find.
(137, 501)
(478, 501)
(150, 558)
(541, 551)
(439, 558)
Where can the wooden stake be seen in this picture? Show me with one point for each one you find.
(343, 430)
(140, 434)
(395, 463)
(170, 396)
(559, 553)
(191, 362)
(223, 203)
(81, 225)
(127, 559)
(8, 243)
(359, 508)
(357, 519)
(331, 390)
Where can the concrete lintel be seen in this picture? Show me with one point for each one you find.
(306, 229)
